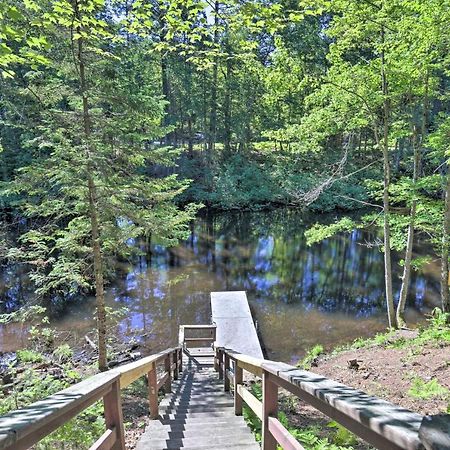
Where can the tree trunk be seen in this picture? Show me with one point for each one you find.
(190, 138)
(416, 174)
(99, 282)
(227, 109)
(93, 209)
(386, 206)
(410, 239)
(213, 108)
(445, 277)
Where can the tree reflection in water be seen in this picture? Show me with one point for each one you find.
(328, 293)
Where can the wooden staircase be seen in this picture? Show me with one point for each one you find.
(198, 414)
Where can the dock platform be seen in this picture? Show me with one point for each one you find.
(235, 327)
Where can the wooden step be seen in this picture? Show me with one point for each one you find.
(197, 414)
(197, 442)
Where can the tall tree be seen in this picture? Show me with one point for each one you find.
(89, 187)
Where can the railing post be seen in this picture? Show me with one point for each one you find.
(168, 382)
(113, 415)
(175, 361)
(238, 378)
(434, 432)
(270, 408)
(226, 380)
(153, 392)
(216, 359)
(180, 360)
(220, 354)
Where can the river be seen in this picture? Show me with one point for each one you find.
(329, 293)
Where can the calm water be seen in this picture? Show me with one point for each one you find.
(329, 293)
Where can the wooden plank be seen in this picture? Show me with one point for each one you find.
(270, 408)
(382, 424)
(181, 336)
(153, 393)
(282, 436)
(238, 378)
(113, 415)
(162, 380)
(194, 342)
(434, 432)
(220, 363)
(199, 339)
(134, 370)
(105, 441)
(168, 382)
(235, 327)
(226, 368)
(22, 428)
(255, 370)
(174, 366)
(254, 404)
(248, 363)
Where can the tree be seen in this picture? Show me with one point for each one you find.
(89, 188)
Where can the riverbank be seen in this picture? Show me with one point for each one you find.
(410, 368)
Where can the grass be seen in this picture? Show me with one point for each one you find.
(425, 390)
(311, 355)
(436, 333)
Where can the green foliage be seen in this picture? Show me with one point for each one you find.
(310, 357)
(30, 386)
(29, 314)
(29, 356)
(436, 333)
(426, 390)
(342, 439)
(319, 232)
(63, 353)
(342, 435)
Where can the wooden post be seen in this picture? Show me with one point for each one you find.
(238, 377)
(180, 364)
(216, 360)
(270, 408)
(175, 361)
(153, 392)
(113, 415)
(168, 383)
(226, 380)
(220, 357)
(434, 432)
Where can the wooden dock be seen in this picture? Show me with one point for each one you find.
(235, 328)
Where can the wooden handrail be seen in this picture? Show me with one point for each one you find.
(23, 428)
(132, 371)
(207, 335)
(380, 423)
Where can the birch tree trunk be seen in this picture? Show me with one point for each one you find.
(386, 184)
(410, 239)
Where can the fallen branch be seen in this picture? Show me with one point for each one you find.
(90, 342)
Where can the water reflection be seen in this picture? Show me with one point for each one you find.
(329, 293)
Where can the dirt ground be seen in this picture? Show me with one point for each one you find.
(388, 373)
(384, 372)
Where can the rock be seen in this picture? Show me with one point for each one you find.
(353, 364)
